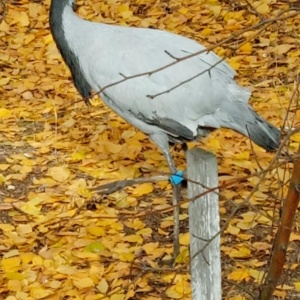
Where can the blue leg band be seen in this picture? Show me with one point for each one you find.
(177, 178)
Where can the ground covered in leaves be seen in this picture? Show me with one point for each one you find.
(60, 240)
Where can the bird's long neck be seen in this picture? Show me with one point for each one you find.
(59, 10)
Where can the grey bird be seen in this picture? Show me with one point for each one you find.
(178, 103)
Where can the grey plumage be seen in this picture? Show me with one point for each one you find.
(99, 54)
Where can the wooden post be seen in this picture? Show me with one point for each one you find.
(204, 224)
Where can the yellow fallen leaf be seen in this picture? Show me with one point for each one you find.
(133, 239)
(162, 232)
(68, 214)
(232, 230)
(294, 266)
(26, 169)
(145, 232)
(4, 81)
(83, 283)
(296, 137)
(86, 255)
(184, 239)
(180, 290)
(4, 167)
(249, 216)
(33, 206)
(69, 123)
(123, 8)
(264, 220)
(126, 14)
(13, 286)
(95, 247)
(11, 264)
(127, 134)
(216, 9)
(130, 294)
(183, 257)
(283, 48)
(24, 229)
(183, 286)
(59, 174)
(126, 257)
(172, 293)
(206, 31)
(166, 224)
(150, 247)
(102, 286)
(241, 252)
(213, 144)
(246, 48)
(37, 261)
(280, 294)
(55, 284)
(117, 297)
(246, 225)
(257, 275)
(84, 192)
(23, 19)
(39, 292)
(15, 276)
(237, 298)
(143, 189)
(77, 156)
(29, 38)
(65, 269)
(183, 10)
(297, 286)
(11, 253)
(2, 179)
(261, 7)
(234, 63)
(134, 224)
(4, 27)
(117, 226)
(97, 270)
(294, 237)
(26, 257)
(48, 39)
(239, 275)
(4, 113)
(97, 231)
(242, 155)
(112, 148)
(244, 236)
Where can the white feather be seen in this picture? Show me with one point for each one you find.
(182, 101)
(105, 52)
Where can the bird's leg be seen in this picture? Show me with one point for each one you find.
(163, 142)
(176, 200)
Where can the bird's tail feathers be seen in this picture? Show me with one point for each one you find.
(243, 119)
(263, 133)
